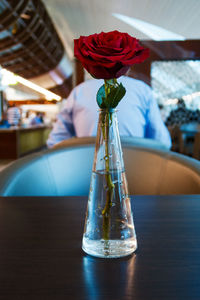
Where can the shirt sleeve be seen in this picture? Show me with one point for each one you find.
(155, 127)
(63, 128)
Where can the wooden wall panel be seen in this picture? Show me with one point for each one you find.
(165, 50)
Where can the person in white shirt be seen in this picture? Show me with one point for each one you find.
(138, 113)
(13, 115)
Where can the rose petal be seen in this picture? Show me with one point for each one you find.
(109, 55)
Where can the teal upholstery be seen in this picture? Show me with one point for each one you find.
(66, 170)
(125, 140)
(60, 172)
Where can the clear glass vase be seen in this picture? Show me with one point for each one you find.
(109, 229)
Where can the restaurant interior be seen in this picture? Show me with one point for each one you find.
(37, 48)
(44, 190)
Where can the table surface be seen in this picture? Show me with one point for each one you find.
(41, 256)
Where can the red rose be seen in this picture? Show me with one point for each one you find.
(109, 55)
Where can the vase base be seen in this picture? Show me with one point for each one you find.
(109, 248)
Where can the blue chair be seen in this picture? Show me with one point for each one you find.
(66, 170)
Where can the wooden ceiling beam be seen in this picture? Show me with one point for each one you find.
(30, 46)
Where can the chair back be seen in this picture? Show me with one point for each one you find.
(66, 170)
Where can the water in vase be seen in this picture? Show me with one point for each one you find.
(111, 235)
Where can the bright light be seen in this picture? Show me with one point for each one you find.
(11, 78)
(171, 101)
(154, 32)
(8, 78)
(191, 96)
(188, 98)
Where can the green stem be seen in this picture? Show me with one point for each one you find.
(109, 184)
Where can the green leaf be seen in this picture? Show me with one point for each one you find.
(101, 96)
(112, 99)
(115, 95)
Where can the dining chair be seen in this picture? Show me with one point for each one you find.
(125, 141)
(66, 170)
(196, 152)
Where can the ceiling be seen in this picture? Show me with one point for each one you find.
(73, 18)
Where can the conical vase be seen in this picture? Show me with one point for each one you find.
(109, 229)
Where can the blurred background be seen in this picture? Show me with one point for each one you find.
(38, 69)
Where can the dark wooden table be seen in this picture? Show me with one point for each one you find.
(41, 256)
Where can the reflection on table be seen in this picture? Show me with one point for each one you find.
(41, 256)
